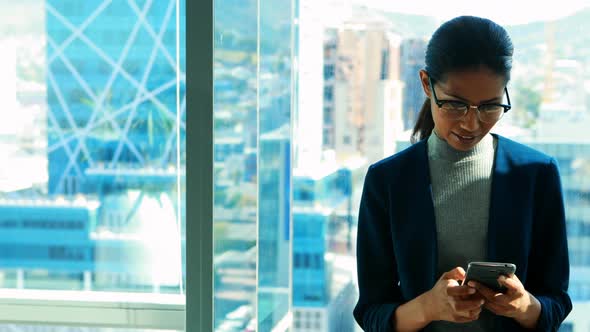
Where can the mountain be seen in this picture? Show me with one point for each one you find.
(569, 33)
(237, 18)
(408, 25)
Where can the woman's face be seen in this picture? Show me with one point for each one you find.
(474, 87)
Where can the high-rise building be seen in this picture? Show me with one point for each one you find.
(310, 277)
(412, 61)
(274, 219)
(49, 235)
(111, 82)
(330, 60)
(310, 74)
(112, 116)
(111, 155)
(323, 287)
(362, 112)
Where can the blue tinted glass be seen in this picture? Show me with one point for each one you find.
(99, 205)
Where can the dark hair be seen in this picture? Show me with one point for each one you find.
(465, 42)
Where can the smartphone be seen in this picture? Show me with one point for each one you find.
(487, 273)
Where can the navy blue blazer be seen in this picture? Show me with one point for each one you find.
(397, 248)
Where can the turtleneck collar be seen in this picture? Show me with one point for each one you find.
(440, 149)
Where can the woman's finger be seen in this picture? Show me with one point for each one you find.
(457, 273)
(486, 292)
(496, 308)
(468, 305)
(458, 291)
(513, 285)
(475, 313)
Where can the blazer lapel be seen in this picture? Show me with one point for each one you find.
(503, 236)
(420, 229)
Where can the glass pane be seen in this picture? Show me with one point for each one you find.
(328, 167)
(92, 186)
(358, 97)
(274, 181)
(235, 164)
(349, 82)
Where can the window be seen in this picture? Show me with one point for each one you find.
(328, 93)
(385, 64)
(328, 116)
(253, 90)
(92, 185)
(92, 170)
(297, 263)
(365, 73)
(306, 261)
(329, 72)
(319, 261)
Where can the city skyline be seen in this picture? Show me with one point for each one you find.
(265, 196)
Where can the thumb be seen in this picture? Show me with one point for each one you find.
(511, 283)
(456, 274)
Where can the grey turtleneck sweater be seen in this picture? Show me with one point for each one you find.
(461, 187)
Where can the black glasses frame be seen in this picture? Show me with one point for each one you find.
(440, 102)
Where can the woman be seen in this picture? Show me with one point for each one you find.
(458, 195)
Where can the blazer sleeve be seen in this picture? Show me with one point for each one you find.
(548, 275)
(379, 291)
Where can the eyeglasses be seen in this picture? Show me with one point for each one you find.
(456, 110)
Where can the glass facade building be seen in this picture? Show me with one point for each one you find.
(110, 213)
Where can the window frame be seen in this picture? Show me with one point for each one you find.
(100, 309)
(199, 180)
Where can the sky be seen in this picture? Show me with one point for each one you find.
(508, 12)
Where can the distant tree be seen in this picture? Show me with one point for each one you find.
(527, 102)
(530, 100)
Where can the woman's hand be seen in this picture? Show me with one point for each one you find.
(449, 301)
(516, 303)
